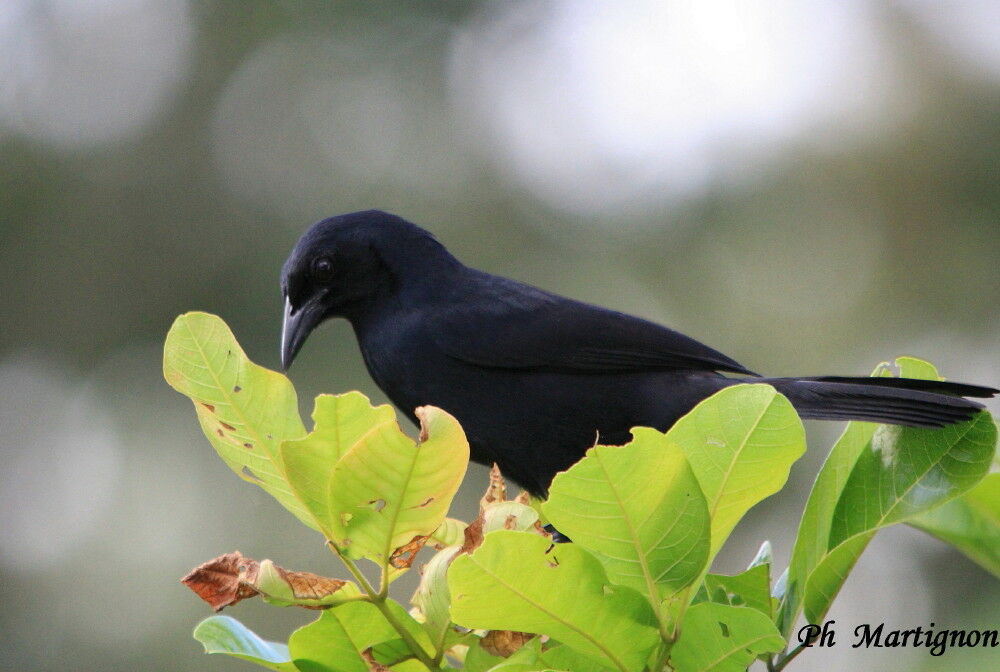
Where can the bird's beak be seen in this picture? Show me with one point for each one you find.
(296, 327)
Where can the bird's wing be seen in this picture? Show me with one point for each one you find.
(500, 323)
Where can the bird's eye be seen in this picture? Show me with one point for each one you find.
(322, 268)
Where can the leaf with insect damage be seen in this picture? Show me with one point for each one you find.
(495, 513)
(219, 581)
(229, 578)
(521, 581)
(387, 491)
(340, 422)
(723, 638)
(245, 410)
(338, 640)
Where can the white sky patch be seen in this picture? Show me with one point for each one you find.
(593, 106)
(62, 457)
(968, 28)
(78, 73)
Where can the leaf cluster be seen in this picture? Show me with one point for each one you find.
(632, 592)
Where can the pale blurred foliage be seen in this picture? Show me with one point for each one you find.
(810, 187)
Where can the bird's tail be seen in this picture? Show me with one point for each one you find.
(895, 401)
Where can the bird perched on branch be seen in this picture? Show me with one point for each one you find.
(534, 377)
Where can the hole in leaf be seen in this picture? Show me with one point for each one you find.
(249, 474)
(724, 628)
(377, 504)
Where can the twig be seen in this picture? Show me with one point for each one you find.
(379, 600)
(784, 660)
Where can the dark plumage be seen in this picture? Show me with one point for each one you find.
(533, 377)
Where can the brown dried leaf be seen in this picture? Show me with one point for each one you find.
(503, 643)
(496, 491)
(308, 586)
(373, 665)
(402, 557)
(224, 580)
(473, 535)
(229, 578)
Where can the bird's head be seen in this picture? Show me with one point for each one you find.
(344, 264)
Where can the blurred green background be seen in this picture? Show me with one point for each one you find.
(811, 187)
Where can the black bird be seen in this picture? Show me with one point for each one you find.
(535, 378)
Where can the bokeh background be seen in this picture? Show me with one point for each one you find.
(809, 186)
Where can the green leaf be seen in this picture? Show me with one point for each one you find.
(325, 646)
(340, 423)
(245, 410)
(508, 516)
(722, 638)
(970, 523)
(639, 509)
(561, 657)
(741, 443)
(432, 596)
(409, 665)
(223, 634)
(812, 540)
(479, 659)
(905, 472)
(333, 641)
(387, 490)
(751, 588)
(451, 532)
(814, 528)
(525, 659)
(519, 581)
(764, 556)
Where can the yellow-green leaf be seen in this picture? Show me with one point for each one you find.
(639, 509)
(970, 523)
(245, 410)
(520, 581)
(741, 443)
(340, 422)
(722, 638)
(388, 490)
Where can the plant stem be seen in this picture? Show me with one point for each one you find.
(379, 600)
(682, 599)
(415, 647)
(355, 572)
(784, 660)
(661, 657)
